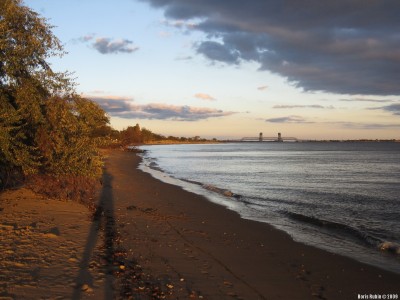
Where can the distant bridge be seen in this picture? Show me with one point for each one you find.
(269, 139)
(262, 138)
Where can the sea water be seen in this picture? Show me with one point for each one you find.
(341, 197)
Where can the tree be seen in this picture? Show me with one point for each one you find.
(26, 42)
(94, 118)
(131, 135)
(44, 126)
(147, 135)
(66, 141)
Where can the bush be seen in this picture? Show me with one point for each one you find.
(77, 188)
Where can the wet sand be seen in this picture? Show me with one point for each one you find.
(149, 239)
(205, 249)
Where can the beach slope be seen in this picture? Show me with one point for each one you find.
(204, 249)
(151, 240)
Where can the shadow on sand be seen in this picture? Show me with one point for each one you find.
(103, 218)
(124, 277)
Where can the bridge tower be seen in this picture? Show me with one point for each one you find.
(260, 138)
(279, 137)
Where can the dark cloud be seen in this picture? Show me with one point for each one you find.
(218, 52)
(125, 108)
(366, 100)
(392, 108)
(303, 106)
(108, 46)
(288, 119)
(113, 105)
(341, 46)
(173, 112)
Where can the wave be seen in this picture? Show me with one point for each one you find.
(367, 239)
(340, 228)
(215, 189)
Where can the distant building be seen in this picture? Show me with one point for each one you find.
(279, 137)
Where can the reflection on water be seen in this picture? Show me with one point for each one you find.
(342, 197)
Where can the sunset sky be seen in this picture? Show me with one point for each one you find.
(229, 69)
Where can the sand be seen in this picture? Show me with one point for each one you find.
(41, 247)
(149, 239)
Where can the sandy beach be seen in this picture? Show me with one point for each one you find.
(152, 240)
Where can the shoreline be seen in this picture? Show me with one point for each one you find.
(256, 259)
(153, 239)
(323, 231)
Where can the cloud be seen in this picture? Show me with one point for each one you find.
(366, 126)
(113, 105)
(125, 108)
(262, 88)
(180, 24)
(83, 39)
(392, 108)
(365, 100)
(288, 119)
(204, 96)
(107, 46)
(218, 52)
(87, 37)
(183, 58)
(347, 47)
(303, 106)
(348, 125)
(177, 113)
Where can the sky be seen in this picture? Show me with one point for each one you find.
(230, 69)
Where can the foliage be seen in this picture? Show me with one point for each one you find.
(131, 135)
(45, 128)
(78, 188)
(67, 140)
(134, 135)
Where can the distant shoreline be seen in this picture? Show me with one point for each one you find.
(314, 141)
(171, 142)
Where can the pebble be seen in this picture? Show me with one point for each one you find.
(227, 283)
(20, 265)
(86, 288)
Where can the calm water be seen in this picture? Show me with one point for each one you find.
(342, 197)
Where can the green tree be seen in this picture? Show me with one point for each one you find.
(44, 126)
(26, 42)
(93, 117)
